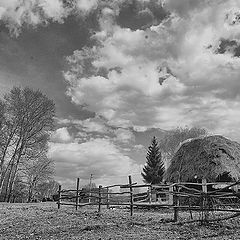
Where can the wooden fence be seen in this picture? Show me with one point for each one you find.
(204, 198)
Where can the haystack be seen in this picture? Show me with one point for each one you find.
(208, 157)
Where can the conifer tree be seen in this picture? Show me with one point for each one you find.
(154, 168)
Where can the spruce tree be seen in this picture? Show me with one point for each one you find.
(154, 168)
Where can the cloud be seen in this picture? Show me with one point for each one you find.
(175, 73)
(20, 14)
(88, 125)
(99, 157)
(86, 5)
(61, 135)
(124, 135)
(140, 14)
(184, 7)
(92, 127)
(17, 14)
(53, 10)
(132, 86)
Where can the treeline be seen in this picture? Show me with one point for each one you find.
(26, 121)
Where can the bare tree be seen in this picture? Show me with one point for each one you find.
(46, 189)
(19, 191)
(28, 119)
(171, 141)
(35, 172)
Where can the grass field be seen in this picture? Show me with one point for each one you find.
(45, 221)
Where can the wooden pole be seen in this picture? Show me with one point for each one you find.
(90, 188)
(99, 198)
(150, 194)
(204, 185)
(59, 196)
(170, 195)
(77, 193)
(176, 204)
(131, 194)
(205, 213)
(108, 206)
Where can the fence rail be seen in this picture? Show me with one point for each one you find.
(208, 200)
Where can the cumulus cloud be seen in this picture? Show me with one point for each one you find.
(183, 71)
(61, 135)
(99, 157)
(133, 86)
(86, 5)
(17, 14)
(124, 135)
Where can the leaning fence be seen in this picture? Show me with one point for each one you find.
(205, 200)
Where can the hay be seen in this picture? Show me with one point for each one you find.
(205, 157)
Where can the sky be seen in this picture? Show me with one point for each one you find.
(121, 72)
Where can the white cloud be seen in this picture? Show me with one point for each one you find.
(91, 125)
(168, 75)
(17, 14)
(88, 125)
(99, 157)
(86, 5)
(53, 9)
(128, 92)
(61, 135)
(124, 135)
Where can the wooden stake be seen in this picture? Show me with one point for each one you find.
(176, 206)
(131, 194)
(59, 196)
(204, 185)
(77, 193)
(205, 214)
(170, 195)
(150, 194)
(99, 198)
(108, 206)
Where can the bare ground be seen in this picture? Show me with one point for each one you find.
(45, 221)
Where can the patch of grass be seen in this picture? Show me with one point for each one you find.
(45, 221)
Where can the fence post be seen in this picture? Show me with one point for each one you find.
(108, 198)
(177, 204)
(77, 193)
(204, 185)
(99, 198)
(150, 194)
(205, 212)
(131, 194)
(59, 196)
(170, 195)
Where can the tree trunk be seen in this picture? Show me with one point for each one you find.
(6, 148)
(12, 174)
(12, 182)
(30, 193)
(4, 175)
(8, 180)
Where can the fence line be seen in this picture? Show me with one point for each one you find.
(175, 192)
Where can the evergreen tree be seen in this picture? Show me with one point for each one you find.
(154, 168)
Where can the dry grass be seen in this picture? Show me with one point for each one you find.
(44, 221)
